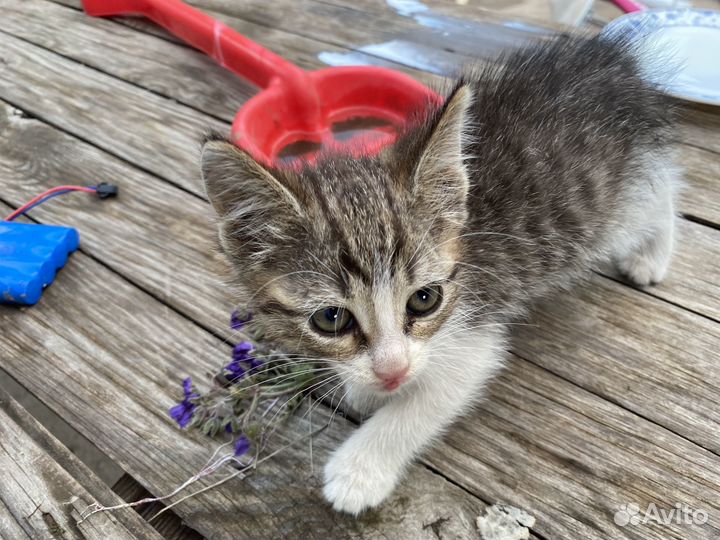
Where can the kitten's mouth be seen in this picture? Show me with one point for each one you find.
(392, 385)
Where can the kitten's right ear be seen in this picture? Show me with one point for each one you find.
(235, 182)
(256, 211)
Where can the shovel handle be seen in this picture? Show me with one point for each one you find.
(230, 49)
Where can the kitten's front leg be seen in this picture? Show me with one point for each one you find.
(366, 468)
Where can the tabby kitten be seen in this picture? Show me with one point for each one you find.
(403, 270)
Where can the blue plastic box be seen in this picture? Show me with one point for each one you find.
(30, 256)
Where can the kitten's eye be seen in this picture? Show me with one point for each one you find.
(332, 320)
(424, 301)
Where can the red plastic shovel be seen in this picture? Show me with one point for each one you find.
(351, 109)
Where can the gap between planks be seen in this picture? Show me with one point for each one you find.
(45, 486)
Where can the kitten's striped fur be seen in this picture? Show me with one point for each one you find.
(528, 175)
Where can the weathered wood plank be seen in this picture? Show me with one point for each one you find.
(385, 35)
(169, 525)
(119, 117)
(693, 281)
(116, 391)
(417, 34)
(543, 13)
(430, 36)
(151, 131)
(95, 377)
(44, 484)
(571, 338)
(157, 235)
(701, 172)
(9, 526)
(699, 125)
(93, 222)
(572, 459)
(701, 167)
(181, 73)
(178, 72)
(459, 26)
(653, 358)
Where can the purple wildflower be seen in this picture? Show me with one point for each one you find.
(242, 445)
(242, 350)
(183, 412)
(240, 357)
(234, 371)
(238, 320)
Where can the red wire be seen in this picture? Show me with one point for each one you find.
(28, 204)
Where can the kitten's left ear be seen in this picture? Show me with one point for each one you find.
(440, 179)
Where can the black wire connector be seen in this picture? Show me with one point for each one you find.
(105, 190)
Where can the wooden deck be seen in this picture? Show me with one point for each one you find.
(610, 398)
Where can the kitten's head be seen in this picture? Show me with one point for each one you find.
(353, 261)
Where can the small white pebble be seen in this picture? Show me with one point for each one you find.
(503, 522)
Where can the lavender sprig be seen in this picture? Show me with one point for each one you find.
(251, 395)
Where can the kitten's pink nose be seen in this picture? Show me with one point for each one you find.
(391, 378)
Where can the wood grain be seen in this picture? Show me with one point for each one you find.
(44, 486)
(169, 525)
(440, 41)
(438, 37)
(357, 27)
(177, 264)
(119, 117)
(97, 227)
(694, 281)
(571, 458)
(569, 337)
(545, 13)
(158, 236)
(209, 92)
(652, 358)
(702, 167)
(178, 72)
(412, 54)
(153, 132)
(701, 173)
(701, 125)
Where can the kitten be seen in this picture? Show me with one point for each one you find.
(403, 270)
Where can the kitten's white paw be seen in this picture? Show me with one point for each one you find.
(643, 269)
(355, 482)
